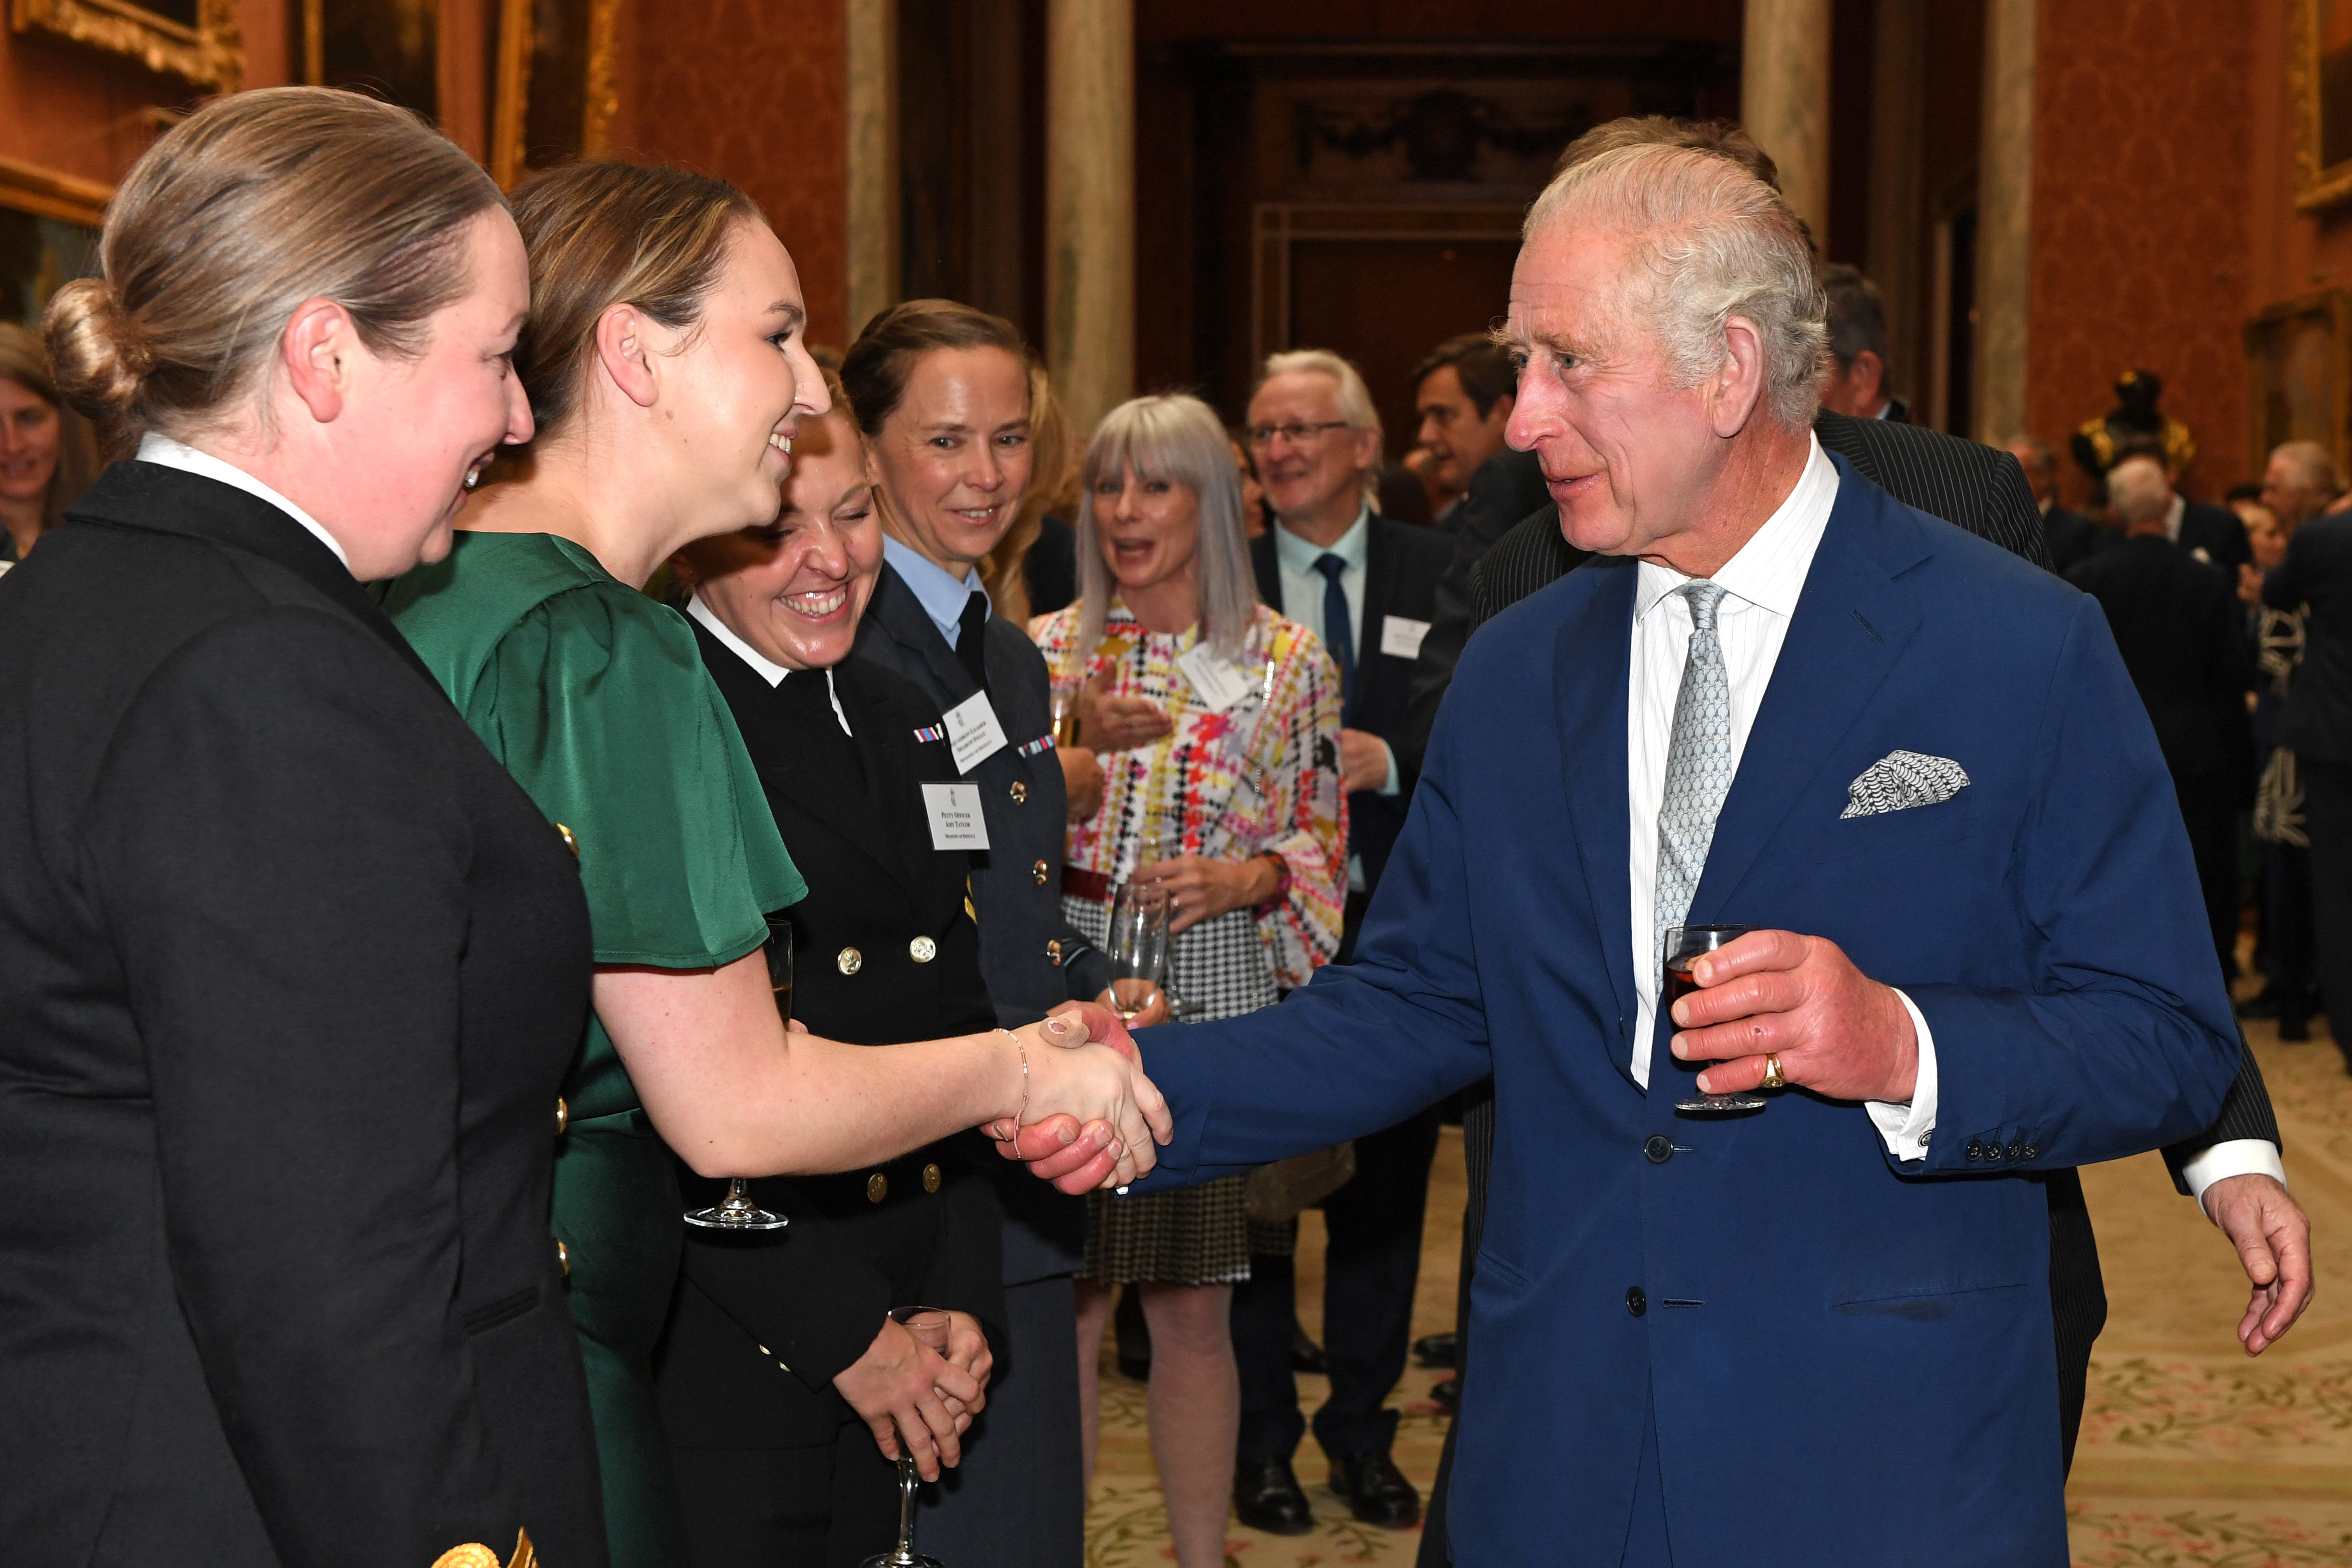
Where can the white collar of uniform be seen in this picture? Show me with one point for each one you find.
(767, 669)
(2172, 515)
(1769, 569)
(165, 452)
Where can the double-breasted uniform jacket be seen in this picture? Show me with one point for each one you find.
(1016, 884)
(885, 950)
(290, 974)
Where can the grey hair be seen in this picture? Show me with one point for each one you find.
(1181, 440)
(2314, 465)
(2138, 489)
(1710, 242)
(1356, 405)
(2039, 458)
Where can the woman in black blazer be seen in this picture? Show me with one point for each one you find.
(289, 968)
(783, 1381)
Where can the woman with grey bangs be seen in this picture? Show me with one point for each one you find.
(1217, 721)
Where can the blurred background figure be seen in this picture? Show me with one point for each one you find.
(1032, 571)
(2070, 537)
(2179, 625)
(47, 453)
(1462, 396)
(2208, 533)
(1219, 721)
(1859, 383)
(2283, 949)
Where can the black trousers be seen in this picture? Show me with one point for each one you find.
(2286, 909)
(1370, 1267)
(1015, 1502)
(2327, 819)
(831, 1506)
(2209, 809)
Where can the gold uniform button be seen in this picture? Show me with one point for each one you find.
(563, 1115)
(564, 1259)
(850, 961)
(1038, 871)
(1020, 793)
(922, 949)
(569, 841)
(1054, 951)
(930, 1178)
(877, 1187)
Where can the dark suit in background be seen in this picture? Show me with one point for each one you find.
(773, 1464)
(2182, 633)
(1011, 1486)
(1050, 569)
(1372, 1225)
(1983, 491)
(2317, 727)
(293, 972)
(2216, 532)
(2071, 538)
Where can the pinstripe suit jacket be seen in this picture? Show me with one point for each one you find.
(1984, 491)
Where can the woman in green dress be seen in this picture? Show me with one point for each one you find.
(666, 373)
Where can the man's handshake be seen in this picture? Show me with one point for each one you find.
(1093, 1119)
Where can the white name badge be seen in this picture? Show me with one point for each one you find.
(1401, 637)
(956, 820)
(973, 734)
(1217, 683)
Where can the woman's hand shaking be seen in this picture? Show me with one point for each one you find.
(1093, 1119)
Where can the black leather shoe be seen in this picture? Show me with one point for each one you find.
(2294, 1031)
(1376, 1491)
(1306, 1355)
(1434, 1350)
(1267, 1496)
(1447, 1394)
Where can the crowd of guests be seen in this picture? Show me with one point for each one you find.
(706, 671)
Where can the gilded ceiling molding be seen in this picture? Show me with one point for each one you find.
(209, 55)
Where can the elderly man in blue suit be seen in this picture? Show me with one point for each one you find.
(1818, 1333)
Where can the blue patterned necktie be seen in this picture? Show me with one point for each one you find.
(1336, 634)
(1698, 765)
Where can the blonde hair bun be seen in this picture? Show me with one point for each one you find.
(96, 352)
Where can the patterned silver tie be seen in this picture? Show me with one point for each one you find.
(1698, 765)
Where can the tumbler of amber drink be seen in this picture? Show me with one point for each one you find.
(1685, 944)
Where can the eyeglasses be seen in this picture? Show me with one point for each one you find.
(1295, 433)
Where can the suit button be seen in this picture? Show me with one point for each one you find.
(922, 949)
(1020, 793)
(1993, 1153)
(1636, 1301)
(1038, 871)
(564, 1259)
(2016, 1150)
(877, 1187)
(2032, 1152)
(569, 841)
(563, 1115)
(1658, 1148)
(930, 1178)
(1975, 1150)
(1054, 951)
(850, 961)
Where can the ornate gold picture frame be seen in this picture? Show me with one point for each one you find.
(2299, 362)
(198, 41)
(557, 90)
(48, 235)
(2319, 90)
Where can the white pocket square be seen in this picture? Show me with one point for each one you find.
(1901, 780)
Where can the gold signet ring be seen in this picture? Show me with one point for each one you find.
(1773, 1079)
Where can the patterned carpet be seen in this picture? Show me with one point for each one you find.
(2193, 1456)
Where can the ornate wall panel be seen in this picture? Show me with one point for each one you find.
(2140, 249)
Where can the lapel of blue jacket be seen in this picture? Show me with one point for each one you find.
(1589, 677)
(1853, 622)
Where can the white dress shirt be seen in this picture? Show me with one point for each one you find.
(767, 669)
(1760, 587)
(1303, 591)
(165, 452)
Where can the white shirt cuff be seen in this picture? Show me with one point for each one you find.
(2231, 1156)
(1389, 786)
(1906, 1128)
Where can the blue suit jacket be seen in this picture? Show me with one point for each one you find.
(1844, 1353)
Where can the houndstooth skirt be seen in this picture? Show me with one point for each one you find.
(1195, 1235)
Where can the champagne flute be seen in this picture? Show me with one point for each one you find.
(928, 1325)
(1137, 945)
(739, 1210)
(1684, 944)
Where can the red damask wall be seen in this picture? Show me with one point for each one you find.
(754, 90)
(2143, 218)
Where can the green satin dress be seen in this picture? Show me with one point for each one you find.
(595, 699)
